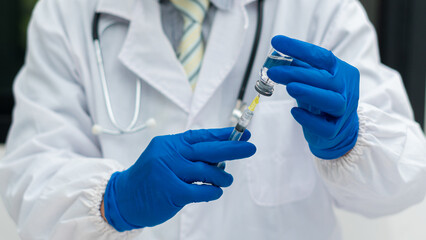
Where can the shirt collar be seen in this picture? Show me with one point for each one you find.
(124, 8)
(220, 4)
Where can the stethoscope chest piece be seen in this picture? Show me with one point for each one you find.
(239, 108)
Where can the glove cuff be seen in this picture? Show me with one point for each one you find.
(112, 213)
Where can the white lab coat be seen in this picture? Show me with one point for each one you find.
(55, 171)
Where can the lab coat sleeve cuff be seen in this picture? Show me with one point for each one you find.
(385, 172)
(103, 227)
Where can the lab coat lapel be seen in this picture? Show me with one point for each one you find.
(148, 53)
(223, 48)
(122, 8)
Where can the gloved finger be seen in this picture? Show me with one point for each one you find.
(202, 172)
(193, 193)
(308, 107)
(341, 138)
(325, 100)
(211, 135)
(313, 77)
(316, 124)
(245, 137)
(313, 55)
(215, 152)
(298, 63)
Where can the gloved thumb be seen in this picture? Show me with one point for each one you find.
(200, 193)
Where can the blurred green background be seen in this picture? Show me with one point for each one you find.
(14, 17)
(401, 27)
(26, 7)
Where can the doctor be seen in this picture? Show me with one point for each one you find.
(341, 133)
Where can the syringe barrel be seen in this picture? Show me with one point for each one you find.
(241, 125)
(245, 119)
(236, 135)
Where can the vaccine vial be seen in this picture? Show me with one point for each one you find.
(265, 86)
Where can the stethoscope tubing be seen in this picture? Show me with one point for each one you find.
(97, 129)
(107, 98)
(259, 25)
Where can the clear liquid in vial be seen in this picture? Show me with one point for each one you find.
(265, 86)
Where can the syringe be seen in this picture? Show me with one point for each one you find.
(244, 121)
(264, 86)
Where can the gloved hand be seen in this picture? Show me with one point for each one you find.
(327, 91)
(159, 184)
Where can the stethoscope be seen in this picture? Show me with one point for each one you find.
(97, 129)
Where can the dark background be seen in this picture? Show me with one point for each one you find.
(401, 27)
(14, 15)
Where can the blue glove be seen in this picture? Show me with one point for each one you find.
(327, 91)
(160, 183)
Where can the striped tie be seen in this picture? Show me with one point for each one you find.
(191, 48)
